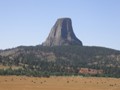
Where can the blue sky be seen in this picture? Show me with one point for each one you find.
(28, 22)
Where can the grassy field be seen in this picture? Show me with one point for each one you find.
(58, 83)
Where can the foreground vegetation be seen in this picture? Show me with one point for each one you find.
(21, 72)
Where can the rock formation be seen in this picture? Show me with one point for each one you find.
(62, 34)
(90, 71)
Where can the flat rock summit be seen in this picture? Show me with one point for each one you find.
(62, 34)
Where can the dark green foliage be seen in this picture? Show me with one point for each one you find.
(68, 60)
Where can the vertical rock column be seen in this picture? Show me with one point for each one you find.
(62, 34)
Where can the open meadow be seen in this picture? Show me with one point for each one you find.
(58, 83)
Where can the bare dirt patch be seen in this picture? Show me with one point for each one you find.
(58, 83)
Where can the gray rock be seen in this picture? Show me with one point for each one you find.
(62, 34)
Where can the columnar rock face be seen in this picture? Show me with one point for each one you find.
(62, 34)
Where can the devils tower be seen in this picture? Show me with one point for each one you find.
(62, 34)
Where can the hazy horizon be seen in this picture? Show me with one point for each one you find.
(28, 22)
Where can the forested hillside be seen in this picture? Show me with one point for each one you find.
(62, 59)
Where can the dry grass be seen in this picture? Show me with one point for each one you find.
(58, 83)
(13, 67)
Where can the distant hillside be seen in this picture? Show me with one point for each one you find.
(63, 59)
